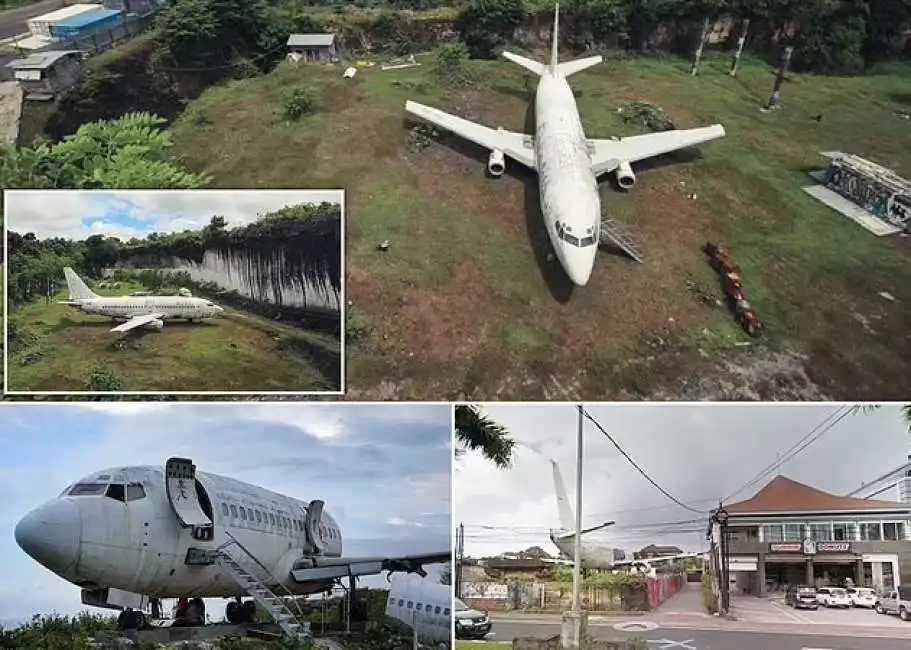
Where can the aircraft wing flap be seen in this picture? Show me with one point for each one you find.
(517, 146)
(136, 321)
(608, 154)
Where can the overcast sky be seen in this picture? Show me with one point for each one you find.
(78, 214)
(698, 453)
(383, 471)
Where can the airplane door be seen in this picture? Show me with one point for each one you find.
(181, 486)
(311, 527)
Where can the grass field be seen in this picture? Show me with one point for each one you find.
(465, 303)
(62, 349)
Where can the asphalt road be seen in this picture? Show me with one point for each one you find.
(693, 639)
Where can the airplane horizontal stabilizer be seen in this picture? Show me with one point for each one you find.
(572, 67)
(528, 64)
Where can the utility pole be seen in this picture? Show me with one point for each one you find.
(459, 557)
(721, 517)
(575, 622)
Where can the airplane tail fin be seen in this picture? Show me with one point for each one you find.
(554, 48)
(78, 289)
(567, 520)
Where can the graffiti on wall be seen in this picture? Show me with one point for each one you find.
(485, 590)
(871, 195)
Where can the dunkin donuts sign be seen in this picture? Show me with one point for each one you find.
(810, 547)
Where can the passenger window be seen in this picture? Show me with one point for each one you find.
(436, 610)
(224, 509)
(233, 511)
(418, 606)
(116, 491)
(446, 612)
(243, 513)
(135, 492)
(427, 608)
(410, 604)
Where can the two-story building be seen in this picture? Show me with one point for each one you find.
(791, 533)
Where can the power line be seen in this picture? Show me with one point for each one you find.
(639, 469)
(815, 434)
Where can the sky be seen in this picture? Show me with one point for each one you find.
(383, 471)
(700, 454)
(78, 214)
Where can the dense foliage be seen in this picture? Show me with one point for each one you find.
(297, 246)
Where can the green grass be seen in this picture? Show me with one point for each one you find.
(473, 645)
(60, 348)
(459, 303)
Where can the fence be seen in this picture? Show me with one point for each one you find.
(557, 596)
(92, 43)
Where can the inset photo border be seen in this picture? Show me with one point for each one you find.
(174, 292)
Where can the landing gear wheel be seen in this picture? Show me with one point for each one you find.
(249, 611)
(140, 619)
(234, 612)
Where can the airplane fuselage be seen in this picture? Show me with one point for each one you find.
(125, 307)
(594, 554)
(567, 185)
(131, 539)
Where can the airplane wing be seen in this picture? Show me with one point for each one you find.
(517, 146)
(608, 154)
(556, 561)
(326, 568)
(136, 321)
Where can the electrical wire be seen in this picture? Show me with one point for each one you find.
(815, 434)
(648, 478)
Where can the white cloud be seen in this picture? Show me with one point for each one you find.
(60, 213)
(397, 521)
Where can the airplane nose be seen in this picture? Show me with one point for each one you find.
(51, 535)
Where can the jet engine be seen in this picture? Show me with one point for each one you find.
(496, 164)
(155, 324)
(625, 176)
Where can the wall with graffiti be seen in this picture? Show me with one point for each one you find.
(870, 194)
(557, 596)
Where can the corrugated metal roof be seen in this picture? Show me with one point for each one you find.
(64, 13)
(41, 60)
(87, 18)
(310, 40)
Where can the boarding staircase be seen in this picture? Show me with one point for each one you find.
(616, 233)
(226, 557)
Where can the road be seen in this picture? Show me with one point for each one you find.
(14, 21)
(665, 638)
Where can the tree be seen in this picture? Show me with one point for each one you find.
(906, 412)
(486, 24)
(474, 431)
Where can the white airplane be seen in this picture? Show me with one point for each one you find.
(568, 164)
(149, 312)
(424, 606)
(130, 536)
(595, 555)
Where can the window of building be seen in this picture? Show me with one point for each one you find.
(795, 532)
(773, 533)
(233, 511)
(844, 531)
(893, 530)
(224, 509)
(271, 518)
(243, 513)
(821, 532)
(871, 531)
(259, 516)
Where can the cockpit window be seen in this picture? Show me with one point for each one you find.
(588, 241)
(87, 489)
(566, 236)
(135, 492)
(116, 491)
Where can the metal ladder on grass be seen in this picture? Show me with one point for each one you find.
(617, 234)
(277, 607)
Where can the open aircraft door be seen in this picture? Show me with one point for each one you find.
(312, 520)
(183, 495)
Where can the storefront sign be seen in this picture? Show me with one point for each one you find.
(810, 547)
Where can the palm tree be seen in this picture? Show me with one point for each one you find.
(475, 431)
(906, 412)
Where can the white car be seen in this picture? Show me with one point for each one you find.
(862, 597)
(833, 597)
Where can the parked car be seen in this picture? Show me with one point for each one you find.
(470, 623)
(801, 597)
(833, 597)
(862, 597)
(896, 601)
